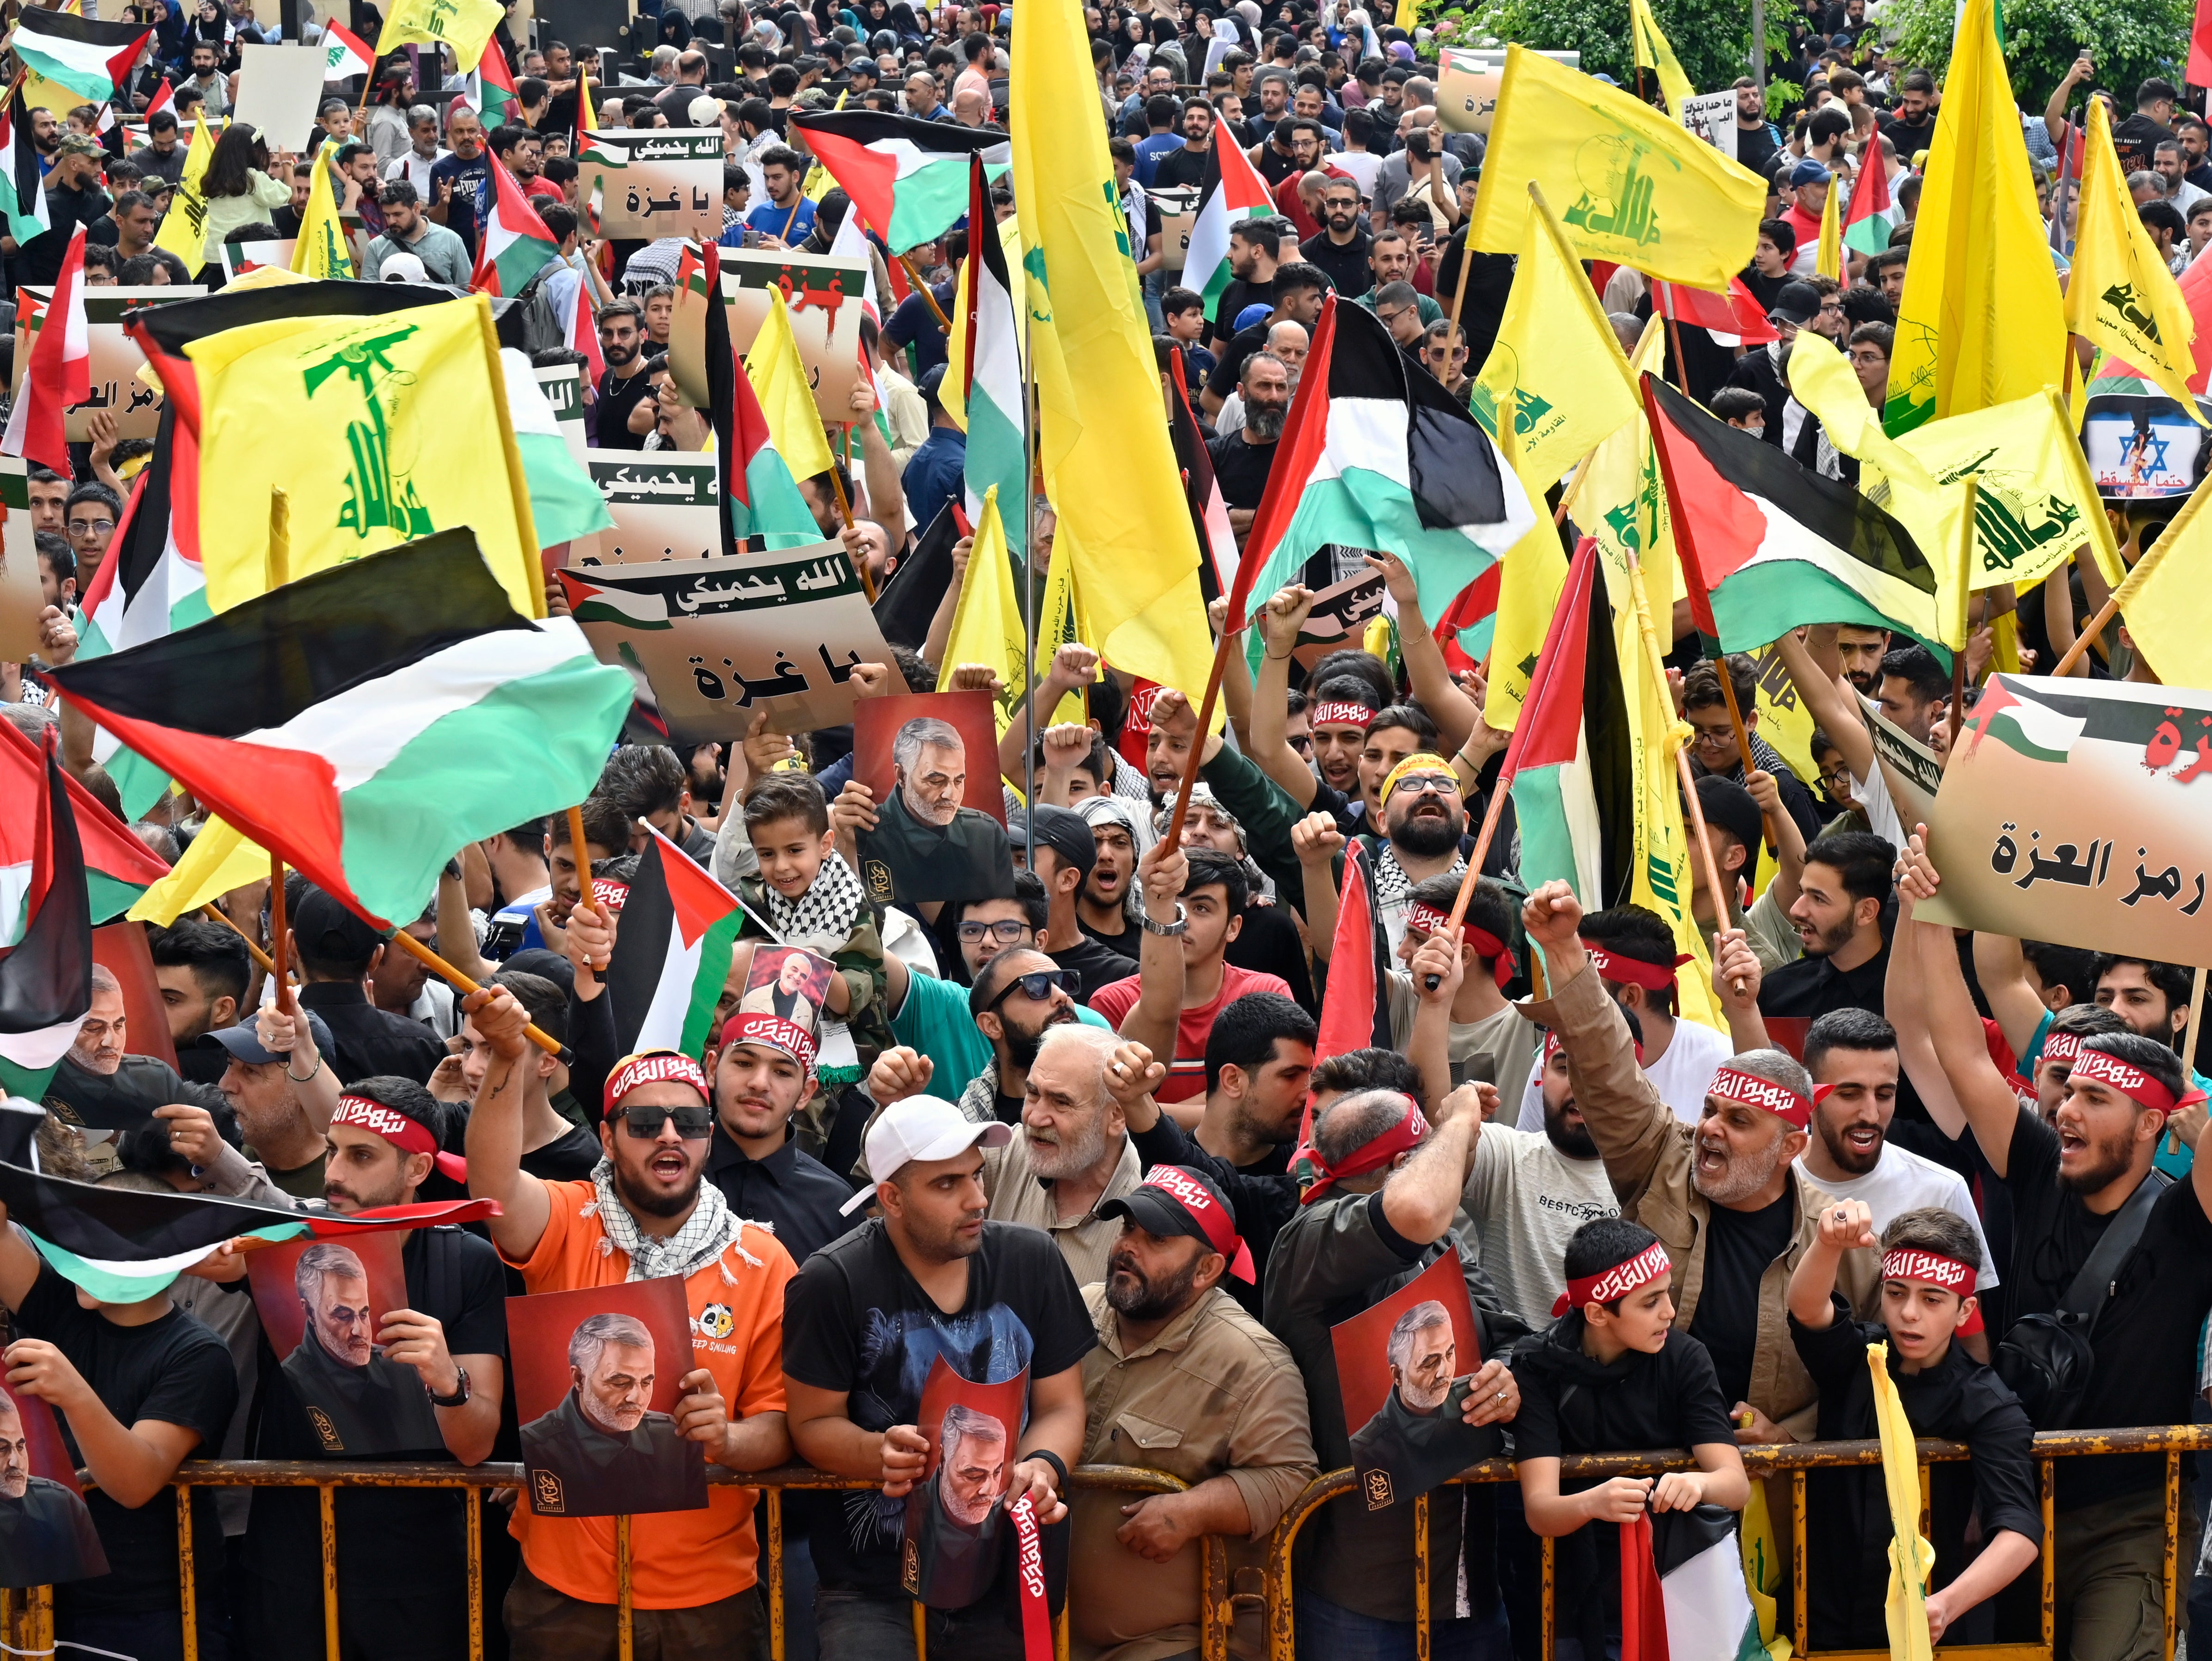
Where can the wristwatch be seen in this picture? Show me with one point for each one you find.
(460, 1397)
(1181, 923)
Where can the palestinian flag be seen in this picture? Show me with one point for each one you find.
(364, 721)
(122, 1246)
(59, 373)
(91, 58)
(515, 244)
(1683, 1591)
(1869, 219)
(22, 179)
(764, 499)
(46, 978)
(1768, 545)
(907, 177)
(672, 955)
(1471, 623)
(164, 94)
(491, 85)
(1736, 316)
(1376, 454)
(1209, 515)
(1355, 1008)
(2008, 713)
(1230, 190)
(564, 503)
(345, 54)
(118, 867)
(991, 371)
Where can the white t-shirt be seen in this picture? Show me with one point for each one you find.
(1903, 1181)
(1522, 1204)
(1364, 166)
(1680, 1076)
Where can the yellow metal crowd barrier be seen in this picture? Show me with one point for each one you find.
(26, 1618)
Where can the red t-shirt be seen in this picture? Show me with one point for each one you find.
(1187, 1076)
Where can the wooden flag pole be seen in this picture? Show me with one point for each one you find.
(278, 929)
(944, 323)
(1705, 851)
(461, 983)
(2105, 613)
(2189, 1045)
(215, 914)
(1491, 813)
(845, 512)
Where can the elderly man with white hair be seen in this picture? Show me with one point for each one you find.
(1287, 340)
(1727, 1196)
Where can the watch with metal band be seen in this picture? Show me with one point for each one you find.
(1181, 923)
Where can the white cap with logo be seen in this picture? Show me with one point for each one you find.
(921, 1128)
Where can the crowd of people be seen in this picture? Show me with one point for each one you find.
(1079, 1139)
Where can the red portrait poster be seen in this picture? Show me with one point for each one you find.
(47, 1535)
(1402, 1367)
(322, 1304)
(955, 1526)
(931, 762)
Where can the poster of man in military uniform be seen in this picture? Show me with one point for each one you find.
(1402, 1367)
(47, 1535)
(955, 1529)
(929, 760)
(321, 1311)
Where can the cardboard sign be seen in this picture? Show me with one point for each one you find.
(22, 597)
(115, 359)
(667, 505)
(718, 640)
(1178, 214)
(563, 387)
(656, 183)
(823, 297)
(1711, 116)
(278, 89)
(1467, 90)
(2140, 448)
(596, 1379)
(1908, 767)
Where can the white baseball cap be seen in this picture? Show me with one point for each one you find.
(921, 1128)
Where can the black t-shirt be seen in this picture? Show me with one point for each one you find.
(173, 1369)
(1180, 169)
(1571, 1402)
(1739, 1248)
(1234, 299)
(566, 1158)
(617, 398)
(1240, 469)
(2145, 1340)
(455, 1278)
(1755, 146)
(2136, 138)
(856, 1322)
(1093, 965)
(1229, 368)
(1124, 944)
(1345, 266)
(40, 259)
(1957, 1400)
(367, 1042)
(1268, 942)
(1811, 987)
(1908, 138)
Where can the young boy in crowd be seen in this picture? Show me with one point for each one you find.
(1611, 1374)
(1183, 311)
(1927, 1298)
(810, 898)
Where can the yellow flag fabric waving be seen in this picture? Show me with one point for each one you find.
(184, 228)
(1623, 505)
(463, 25)
(1911, 1557)
(1980, 322)
(779, 376)
(1655, 53)
(1059, 622)
(321, 249)
(1108, 466)
(2120, 293)
(219, 859)
(2166, 602)
(1828, 260)
(1629, 185)
(1557, 365)
(1536, 570)
(375, 430)
(986, 622)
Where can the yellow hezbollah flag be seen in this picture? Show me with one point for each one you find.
(1980, 323)
(987, 622)
(374, 431)
(1059, 622)
(321, 250)
(2165, 602)
(1632, 187)
(1653, 53)
(1911, 1557)
(1108, 466)
(779, 378)
(1621, 503)
(463, 25)
(2120, 293)
(1828, 261)
(184, 228)
(1557, 365)
(219, 859)
(1528, 594)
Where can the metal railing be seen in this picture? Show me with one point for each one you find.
(26, 1618)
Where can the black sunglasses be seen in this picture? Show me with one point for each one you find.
(1037, 984)
(693, 1124)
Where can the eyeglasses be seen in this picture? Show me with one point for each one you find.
(1421, 783)
(1036, 985)
(1301, 742)
(1712, 737)
(1836, 778)
(91, 528)
(1008, 931)
(693, 1124)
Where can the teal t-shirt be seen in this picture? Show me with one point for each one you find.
(935, 1022)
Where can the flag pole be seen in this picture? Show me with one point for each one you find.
(845, 512)
(1705, 851)
(278, 930)
(2095, 626)
(461, 983)
(215, 914)
(944, 323)
(1029, 600)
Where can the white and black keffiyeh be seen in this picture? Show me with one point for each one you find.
(1392, 885)
(711, 1229)
(821, 918)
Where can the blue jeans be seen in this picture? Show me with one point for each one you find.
(861, 1625)
(1329, 1632)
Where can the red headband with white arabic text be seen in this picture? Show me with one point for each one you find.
(2137, 1086)
(1648, 1265)
(2062, 1048)
(655, 1067)
(1914, 1264)
(1633, 971)
(1430, 921)
(1400, 1138)
(1209, 1214)
(1339, 714)
(775, 1032)
(402, 1132)
(1778, 1099)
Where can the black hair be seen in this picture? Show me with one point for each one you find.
(1780, 233)
(2073, 967)
(54, 549)
(2169, 978)
(786, 796)
(1410, 716)
(1933, 1228)
(1846, 1029)
(2147, 1054)
(993, 974)
(545, 1003)
(2163, 216)
(1261, 233)
(1632, 931)
(1735, 403)
(215, 954)
(643, 779)
(1701, 682)
(1352, 662)
(1488, 908)
(1296, 276)
(1367, 1069)
(1862, 859)
(1605, 1243)
(1915, 666)
(92, 490)
(605, 826)
(560, 220)
(1243, 1034)
(1209, 869)
(1028, 888)
(1357, 1118)
(914, 669)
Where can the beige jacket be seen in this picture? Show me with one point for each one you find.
(1647, 1153)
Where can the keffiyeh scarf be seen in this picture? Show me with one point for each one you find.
(711, 1229)
(822, 917)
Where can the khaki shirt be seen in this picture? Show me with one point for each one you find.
(1648, 1154)
(1019, 1195)
(1215, 1394)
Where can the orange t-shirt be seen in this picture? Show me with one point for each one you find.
(680, 1559)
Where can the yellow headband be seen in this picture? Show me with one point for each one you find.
(1421, 761)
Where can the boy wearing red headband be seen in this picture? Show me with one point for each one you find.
(1609, 1375)
(1929, 1274)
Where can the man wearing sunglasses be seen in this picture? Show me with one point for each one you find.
(644, 1212)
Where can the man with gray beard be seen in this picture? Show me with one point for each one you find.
(1242, 458)
(1725, 1196)
(1070, 1155)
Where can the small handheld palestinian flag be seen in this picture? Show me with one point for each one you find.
(672, 955)
(1231, 190)
(46, 978)
(515, 245)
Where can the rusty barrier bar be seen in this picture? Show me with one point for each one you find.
(1792, 1460)
(26, 1617)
